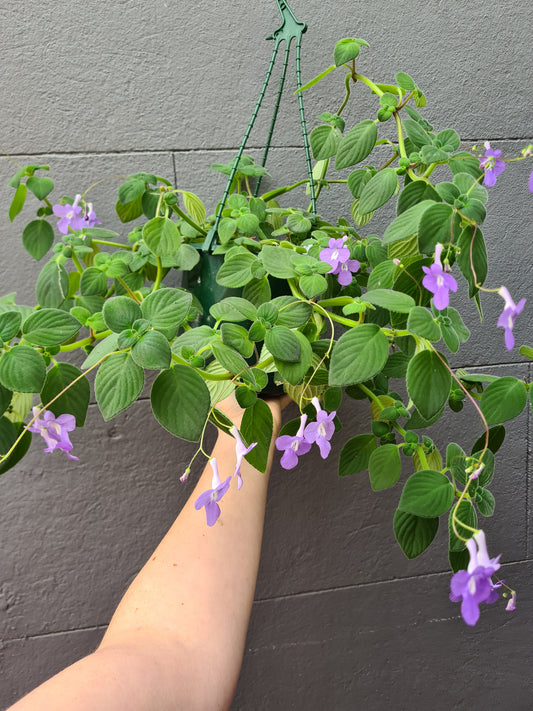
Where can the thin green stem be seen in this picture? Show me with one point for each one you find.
(77, 262)
(127, 288)
(85, 342)
(159, 275)
(188, 220)
(369, 83)
(348, 91)
(112, 244)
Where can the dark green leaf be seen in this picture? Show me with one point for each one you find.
(378, 190)
(18, 201)
(130, 211)
(346, 50)
(40, 187)
(384, 467)
(22, 370)
(428, 383)
(435, 226)
(414, 533)
(234, 309)
(166, 309)
(465, 514)
(356, 454)
(414, 193)
(257, 424)
(236, 271)
(93, 282)
(180, 402)
(294, 372)
(50, 327)
(358, 355)
(152, 351)
(471, 242)
(356, 145)
(75, 399)
(406, 224)
(357, 180)
(426, 493)
(10, 322)
(130, 191)
(52, 285)
(118, 383)
(19, 451)
(236, 337)
(495, 439)
(503, 400)
(484, 501)
(422, 324)
(120, 312)
(37, 238)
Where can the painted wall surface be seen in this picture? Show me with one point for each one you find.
(342, 620)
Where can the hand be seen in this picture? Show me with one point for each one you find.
(231, 408)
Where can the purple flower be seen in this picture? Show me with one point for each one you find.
(491, 164)
(293, 447)
(474, 585)
(322, 430)
(439, 282)
(241, 450)
(345, 270)
(511, 605)
(530, 182)
(337, 252)
(70, 216)
(54, 431)
(89, 217)
(508, 316)
(210, 497)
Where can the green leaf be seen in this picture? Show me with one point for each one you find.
(356, 453)
(75, 399)
(19, 451)
(37, 238)
(496, 439)
(469, 185)
(416, 133)
(120, 312)
(428, 383)
(382, 276)
(248, 223)
(313, 285)
(236, 271)
(131, 190)
(465, 514)
(5, 398)
(107, 345)
(293, 372)
(378, 190)
(415, 193)
(423, 325)
(93, 282)
(18, 201)
(504, 399)
(152, 351)
(229, 359)
(50, 327)
(358, 355)
(404, 81)
(456, 462)
(463, 334)
(257, 425)
(448, 139)
(359, 219)
(40, 187)
(357, 180)
(187, 257)
(10, 322)
(130, 211)
(180, 402)
(471, 242)
(391, 300)
(118, 383)
(161, 236)
(283, 344)
(245, 396)
(52, 285)
(194, 207)
(465, 162)
(356, 145)
(346, 50)
(236, 337)
(414, 533)
(22, 370)
(257, 291)
(432, 154)
(484, 501)
(384, 467)
(324, 141)
(226, 229)
(292, 312)
(234, 309)
(427, 493)
(435, 226)
(406, 224)
(166, 309)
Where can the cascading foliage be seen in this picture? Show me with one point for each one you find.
(327, 309)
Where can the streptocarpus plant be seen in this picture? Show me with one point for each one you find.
(320, 308)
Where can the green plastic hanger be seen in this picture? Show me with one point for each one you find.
(290, 29)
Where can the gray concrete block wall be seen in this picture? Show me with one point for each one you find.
(341, 619)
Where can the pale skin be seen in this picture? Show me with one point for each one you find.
(177, 638)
